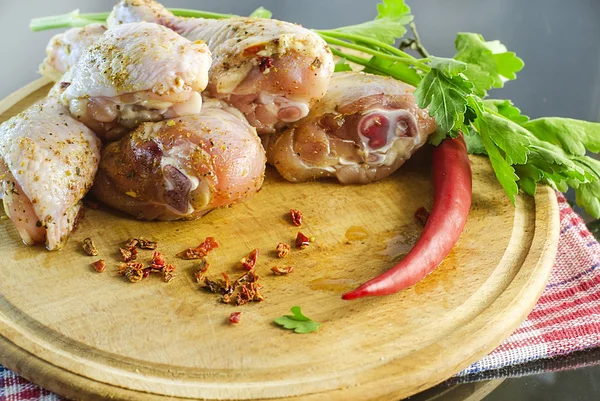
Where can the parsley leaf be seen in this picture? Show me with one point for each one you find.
(507, 135)
(261, 12)
(507, 109)
(444, 90)
(387, 26)
(297, 322)
(491, 57)
(574, 136)
(474, 143)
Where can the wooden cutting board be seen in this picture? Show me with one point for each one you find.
(91, 335)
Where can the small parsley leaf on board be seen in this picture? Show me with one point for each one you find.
(297, 322)
(389, 24)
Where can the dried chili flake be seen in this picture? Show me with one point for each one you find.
(134, 271)
(167, 272)
(282, 270)
(296, 216)
(89, 247)
(249, 292)
(201, 251)
(99, 265)
(158, 261)
(282, 250)
(128, 254)
(235, 317)
(141, 243)
(302, 241)
(422, 215)
(202, 269)
(249, 261)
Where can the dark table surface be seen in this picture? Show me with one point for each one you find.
(559, 41)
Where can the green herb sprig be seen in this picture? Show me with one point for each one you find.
(297, 322)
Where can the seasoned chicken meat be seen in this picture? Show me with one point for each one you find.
(182, 168)
(66, 48)
(362, 131)
(136, 73)
(273, 71)
(47, 164)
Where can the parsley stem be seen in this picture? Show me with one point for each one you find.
(366, 40)
(364, 49)
(382, 70)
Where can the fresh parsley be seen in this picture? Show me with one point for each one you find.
(297, 322)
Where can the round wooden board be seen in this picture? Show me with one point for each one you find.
(91, 336)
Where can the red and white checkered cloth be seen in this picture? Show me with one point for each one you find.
(566, 318)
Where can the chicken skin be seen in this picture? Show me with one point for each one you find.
(362, 131)
(273, 71)
(47, 164)
(182, 168)
(66, 48)
(136, 73)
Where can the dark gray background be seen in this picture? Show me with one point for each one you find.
(559, 41)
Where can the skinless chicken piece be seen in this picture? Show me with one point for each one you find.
(182, 168)
(47, 164)
(136, 73)
(362, 131)
(273, 71)
(66, 48)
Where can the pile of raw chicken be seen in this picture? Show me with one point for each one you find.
(167, 118)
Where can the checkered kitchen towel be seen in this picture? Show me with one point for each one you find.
(566, 319)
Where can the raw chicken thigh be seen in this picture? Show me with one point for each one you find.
(362, 131)
(66, 48)
(136, 73)
(182, 168)
(273, 71)
(48, 162)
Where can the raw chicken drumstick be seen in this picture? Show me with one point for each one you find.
(273, 71)
(64, 49)
(362, 131)
(47, 164)
(136, 73)
(183, 168)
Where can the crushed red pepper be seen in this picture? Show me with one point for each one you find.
(243, 290)
(282, 250)
(128, 254)
(302, 241)
(99, 265)
(282, 270)
(200, 251)
(249, 261)
(89, 247)
(235, 317)
(296, 216)
(422, 215)
(265, 63)
(133, 271)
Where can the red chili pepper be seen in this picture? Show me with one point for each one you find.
(451, 202)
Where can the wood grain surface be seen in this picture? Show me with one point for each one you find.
(91, 335)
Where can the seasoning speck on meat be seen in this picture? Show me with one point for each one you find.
(89, 247)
